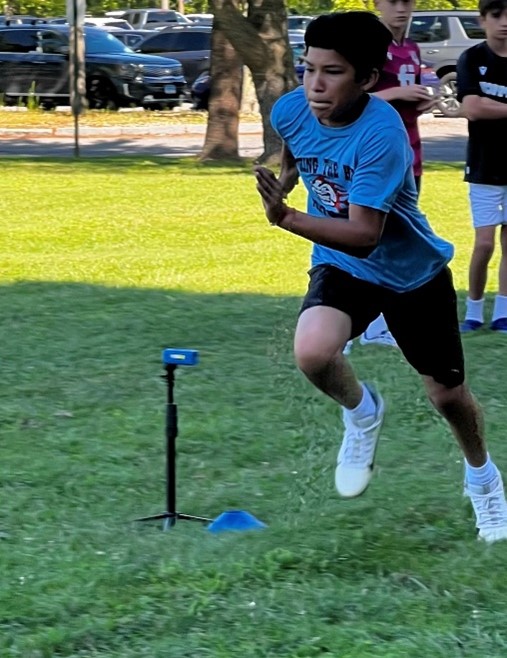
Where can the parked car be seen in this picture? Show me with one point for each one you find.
(141, 19)
(442, 36)
(199, 91)
(429, 78)
(34, 60)
(201, 19)
(297, 22)
(190, 44)
(131, 38)
(106, 22)
(24, 19)
(200, 88)
(57, 20)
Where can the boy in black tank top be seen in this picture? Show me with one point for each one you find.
(482, 90)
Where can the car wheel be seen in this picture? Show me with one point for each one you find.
(156, 107)
(448, 103)
(101, 95)
(160, 107)
(45, 104)
(203, 104)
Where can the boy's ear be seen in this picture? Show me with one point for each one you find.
(371, 80)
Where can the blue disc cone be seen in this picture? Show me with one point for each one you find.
(235, 519)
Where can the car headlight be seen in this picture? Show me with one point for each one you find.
(173, 70)
(129, 71)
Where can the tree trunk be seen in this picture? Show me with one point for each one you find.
(261, 40)
(222, 132)
(275, 74)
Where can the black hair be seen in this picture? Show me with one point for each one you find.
(486, 6)
(358, 36)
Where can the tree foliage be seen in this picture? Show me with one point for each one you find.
(307, 7)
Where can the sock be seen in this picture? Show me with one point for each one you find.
(475, 309)
(365, 409)
(500, 307)
(376, 327)
(481, 476)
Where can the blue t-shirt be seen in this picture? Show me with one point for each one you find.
(367, 163)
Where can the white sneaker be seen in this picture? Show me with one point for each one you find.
(383, 338)
(348, 347)
(357, 453)
(490, 510)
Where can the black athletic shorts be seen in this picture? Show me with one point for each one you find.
(424, 321)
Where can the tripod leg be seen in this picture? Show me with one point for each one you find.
(169, 522)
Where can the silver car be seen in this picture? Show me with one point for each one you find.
(442, 36)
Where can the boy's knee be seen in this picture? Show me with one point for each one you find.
(446, 399)
(310, 358)
(485, 248)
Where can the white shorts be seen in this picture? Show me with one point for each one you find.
(488, 204)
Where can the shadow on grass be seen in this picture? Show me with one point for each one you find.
(85, 361)
(82, 417)
(81, 378)
(444, 148)
(188, 166)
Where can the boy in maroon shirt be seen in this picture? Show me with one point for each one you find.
(400, 80)
(400, 84)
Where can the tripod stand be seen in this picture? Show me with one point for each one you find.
(170, 516)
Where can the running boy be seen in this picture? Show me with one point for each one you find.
(373, 251)
(399, 83)
(482, 90)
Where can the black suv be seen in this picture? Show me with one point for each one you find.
(190, 44)
(34, 61)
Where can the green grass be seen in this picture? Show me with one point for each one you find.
(103, 264)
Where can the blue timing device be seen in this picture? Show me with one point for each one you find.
(174, 356)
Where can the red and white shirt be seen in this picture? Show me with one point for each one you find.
(403, 67)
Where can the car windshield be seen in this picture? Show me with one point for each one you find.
(98, 42)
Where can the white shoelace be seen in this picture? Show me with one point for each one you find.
(358, 446)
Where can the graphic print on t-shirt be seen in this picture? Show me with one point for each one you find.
(406, 75)
(329, 198)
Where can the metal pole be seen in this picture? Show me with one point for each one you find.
(171, 434)
(76, 135)
(75, 73)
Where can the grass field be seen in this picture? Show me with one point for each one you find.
(103, 264)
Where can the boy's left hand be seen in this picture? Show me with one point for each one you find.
(426, 106)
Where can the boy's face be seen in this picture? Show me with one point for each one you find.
(395, 13)
(330, 85)
(495, 24)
